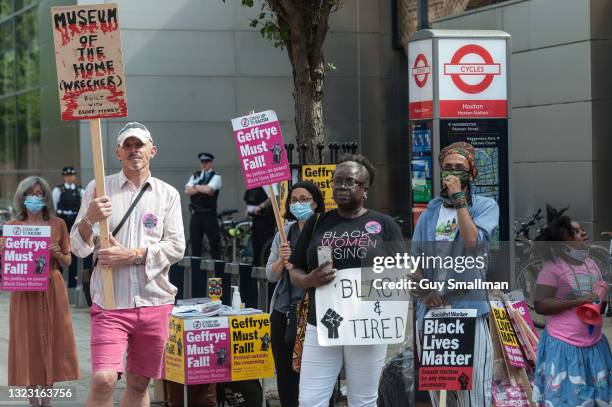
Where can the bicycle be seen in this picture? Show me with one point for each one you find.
(530, 264)
(236, 240)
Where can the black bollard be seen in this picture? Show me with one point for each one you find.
(336, 147)
(303, 149)
(320, 148)
(289, 148)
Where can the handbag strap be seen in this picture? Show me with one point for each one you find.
(289, 291)
(287, 271)
(128, 212)
(130, 209)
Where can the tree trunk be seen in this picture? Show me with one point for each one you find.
(308, 97)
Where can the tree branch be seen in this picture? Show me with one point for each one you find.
(277, 7)
(299, 45)
(316, 58)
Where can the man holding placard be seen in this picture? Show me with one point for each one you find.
(145, 216)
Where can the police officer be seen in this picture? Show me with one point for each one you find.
(67, 197)
(67, 201)
(259, 208)
(203, 189)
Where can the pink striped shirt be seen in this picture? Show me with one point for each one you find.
(155, 223)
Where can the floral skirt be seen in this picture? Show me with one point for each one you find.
(572, 376)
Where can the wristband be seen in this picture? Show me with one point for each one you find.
(459, 200)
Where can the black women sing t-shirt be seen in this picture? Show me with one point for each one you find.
(352, 242)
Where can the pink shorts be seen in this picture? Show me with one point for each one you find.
(141, 331)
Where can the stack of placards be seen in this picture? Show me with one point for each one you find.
(514, 344)
(219, 349)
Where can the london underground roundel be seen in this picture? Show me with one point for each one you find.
(472, 77)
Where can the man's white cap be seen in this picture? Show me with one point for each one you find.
(134, 129)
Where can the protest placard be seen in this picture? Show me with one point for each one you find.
(345, 318)
(91, 85)
(321, 175)
(261, 149)
(447, 349)
(89, 61)
(507, 395)
(251, 347)
(218, 349)
(198, 351)
(508, 339)
(26, 258)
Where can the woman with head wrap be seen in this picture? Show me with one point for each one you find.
(456, 224)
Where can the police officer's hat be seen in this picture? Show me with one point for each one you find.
(69, 171)
(206, 157)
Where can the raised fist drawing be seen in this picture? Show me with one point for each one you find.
(463, 380)
(331, 320)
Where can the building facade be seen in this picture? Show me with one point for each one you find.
(32, 138)
(561, 94)
(192, 65)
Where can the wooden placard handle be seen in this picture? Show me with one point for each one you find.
(442, 402)
(98, 164)
(277, 217)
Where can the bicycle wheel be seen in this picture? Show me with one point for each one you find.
(601, 257)
(265, 252)
(228, 252)
(526, 282)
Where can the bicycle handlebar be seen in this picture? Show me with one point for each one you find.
(227, 212)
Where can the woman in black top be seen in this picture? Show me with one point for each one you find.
(351, 231)
(303, 200)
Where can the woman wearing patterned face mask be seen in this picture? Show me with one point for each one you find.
(458, 223)
(574, 363)
(304, 199)
(42, 349)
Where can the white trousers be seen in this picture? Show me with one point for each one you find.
(481, 394)
(322, 364)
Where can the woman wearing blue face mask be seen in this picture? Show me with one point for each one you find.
(42, 349)
(304, 199)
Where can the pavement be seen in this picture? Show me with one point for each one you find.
(80, 326)
(80, 323)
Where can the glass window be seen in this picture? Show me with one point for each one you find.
(7, 58)
(28, 130)
(19, 4)
(8, 186)
(26, 44)
(7, 134)
(6, 8)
